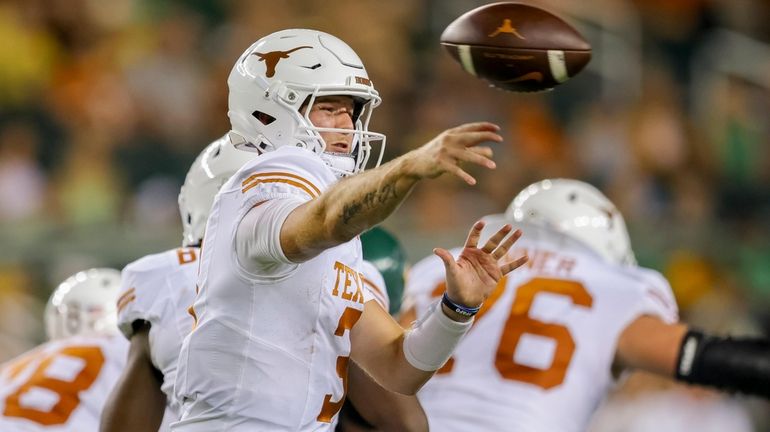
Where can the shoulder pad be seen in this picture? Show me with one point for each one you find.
(285, 172)
(145, 285)
(654, 292)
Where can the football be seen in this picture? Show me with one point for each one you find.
(516, 47)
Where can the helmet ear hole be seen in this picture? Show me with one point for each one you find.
(358, 108)
(263, 117)
(572, 197)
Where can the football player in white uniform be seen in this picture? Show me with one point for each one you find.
(546, 344)
(156, 292)
(62, 384)
(281, 308)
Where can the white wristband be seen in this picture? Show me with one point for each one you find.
(431, 341)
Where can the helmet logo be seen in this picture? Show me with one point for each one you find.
(363, 80)
(272, 58)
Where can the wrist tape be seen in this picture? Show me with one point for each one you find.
(431, 341)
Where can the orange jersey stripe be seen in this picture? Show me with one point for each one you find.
(377, 291)
(125, 294)
(125, 301)
(280, 180)
(283, 174)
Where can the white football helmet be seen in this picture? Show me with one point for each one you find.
(85, 303)
(578, 210)
(210, 170)
(282, 71)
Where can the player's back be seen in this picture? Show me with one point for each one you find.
(540, 355)
(61, 385)
(158, 289)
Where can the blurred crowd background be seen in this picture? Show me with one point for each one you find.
(104, 105)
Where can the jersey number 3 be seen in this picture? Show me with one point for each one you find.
(66, 390)
(329, 408)
(520, 323)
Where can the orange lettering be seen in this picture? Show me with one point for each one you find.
(329, 409)
(186, 256)
(519, 323)
(339, 267)
(359, 295)
(346, 293)
(363, 80)
(351, 277)
(565, 266)
(541, 260)
(68, 391)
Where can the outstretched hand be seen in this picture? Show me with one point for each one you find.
(456, 146)
(472, 277)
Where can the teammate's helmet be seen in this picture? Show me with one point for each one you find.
(578, 210)
(285, 70)
(211, 169)
(85, 303)
(384, 251)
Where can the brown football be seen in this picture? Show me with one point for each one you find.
(516, 47)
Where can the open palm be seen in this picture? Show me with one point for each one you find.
(476, 272)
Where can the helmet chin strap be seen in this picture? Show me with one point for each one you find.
(341, 164)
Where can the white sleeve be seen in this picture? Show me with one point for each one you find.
(258, 238)
(144, 289)
(375, 285)
(655, 297)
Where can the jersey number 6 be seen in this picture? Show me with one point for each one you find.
(519, 323)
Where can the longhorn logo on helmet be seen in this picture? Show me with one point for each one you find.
(272, 58)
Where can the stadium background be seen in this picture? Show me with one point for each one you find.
(104, 105)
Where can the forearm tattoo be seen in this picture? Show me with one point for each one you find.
(371, 200)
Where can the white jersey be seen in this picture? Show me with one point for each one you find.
(375, 284)
(540, 353)
(61, 385)
(269, 350)
(159, 289)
